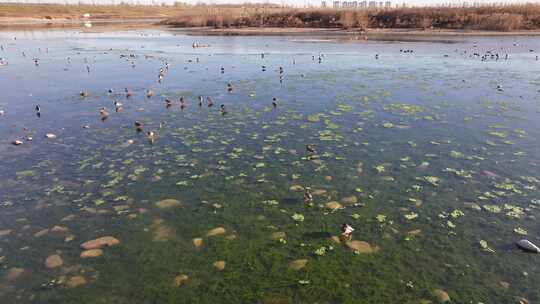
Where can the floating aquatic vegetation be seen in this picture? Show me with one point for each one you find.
(507, 186)
(411, 216)
(492, 208)
(456, 213)
(459, 173)
(484, 245)
(381, 218)
(403, 108)
(315, 117)
(450, 224)
(344, 107)
(520, 231)
(297, 217)
(320, 251)
(388, 125)
(26, 173)
(380, 168)
(498, 134)
(432, 180)
(514, 211)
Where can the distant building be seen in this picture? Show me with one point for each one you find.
(372, 4)
(335, 4)
(323, 4)
(388, 4)
(355, 4)
(363, 4)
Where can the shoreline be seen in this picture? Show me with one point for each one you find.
(152, 22)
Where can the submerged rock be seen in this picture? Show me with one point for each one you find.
(164, 233)
(441, 295)
(53, 261)
(75, 281)
(100, 242)
(216, 231)
(279, 235)
(197, 242)
(298, 264)
(14, 273)
(333, 205)
(414, 232)
(361, 247)
(91, 253)
(319, 192)
(5, 232)
(219, 265)
(350, 200)
(180, 280)
(296, 188)
(168, 203)
(528, 246)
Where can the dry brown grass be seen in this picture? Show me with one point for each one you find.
(507, 18)
(503, 18)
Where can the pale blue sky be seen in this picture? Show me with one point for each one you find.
(290, 2)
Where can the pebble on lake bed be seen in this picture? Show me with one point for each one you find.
(53, 261)
(216, 231)
(100, 242)
(180, 280)
(219, 265)
(298, 264)
(350, 200)
(361, 247)
(168, 203)
(333, 205)
(197, 242)
(91, 253)
(296, 188)
(441, 295)
(75, 281)
(279, 235)
(14, 273)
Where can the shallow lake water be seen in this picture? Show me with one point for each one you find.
(433, 156)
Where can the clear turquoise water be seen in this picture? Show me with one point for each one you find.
(414, 115)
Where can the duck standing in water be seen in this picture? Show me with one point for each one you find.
(129, 93)
(274, 102)
(182, 103)
(310, 149)
(151, 136)
(103, 113)
(346, 231)
(138, 126)
(210, 101)
(200, 100)
(223, 110)
(38, 110)
(118, 106)
(308, 197)
(83, 94)
(149, 93)
(229, 87)
(168, 103)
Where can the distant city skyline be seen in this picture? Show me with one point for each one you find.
(305, 3)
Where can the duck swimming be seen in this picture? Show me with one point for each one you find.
(274, 102)
(222, 109)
